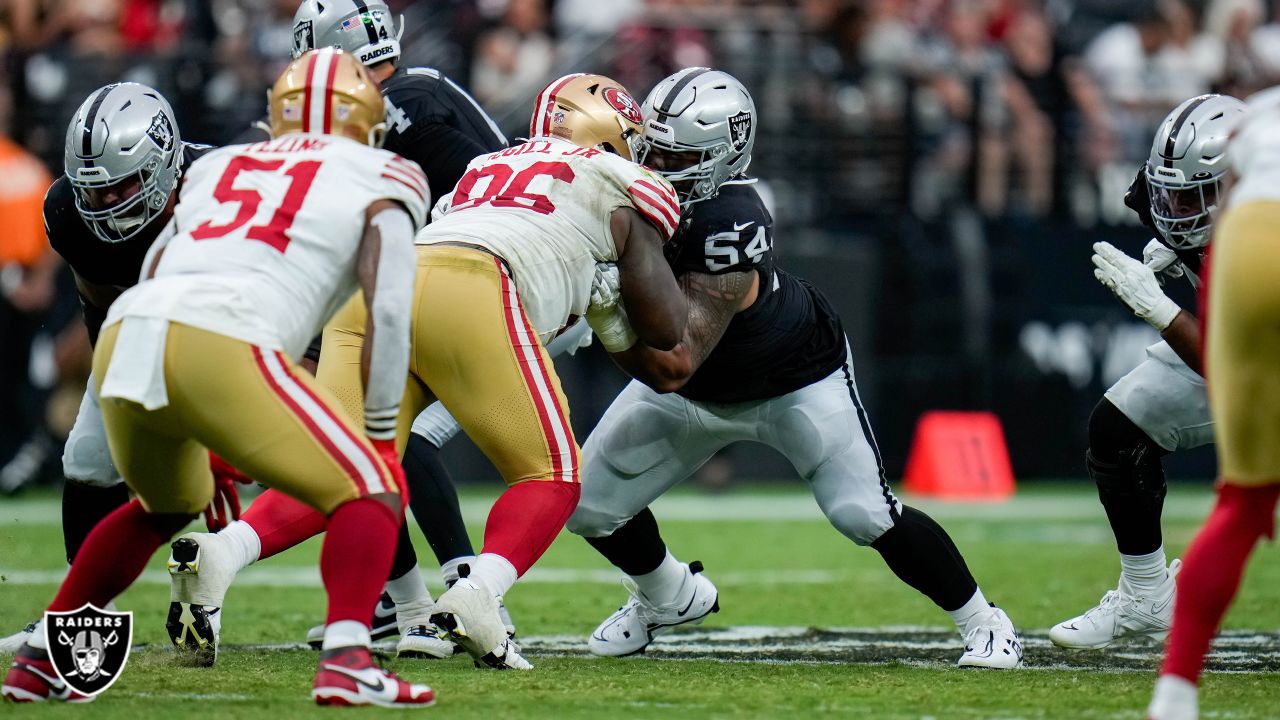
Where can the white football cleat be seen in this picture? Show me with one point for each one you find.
(633, 627)
(418, 637)
(468, 615)
(1174, 699)
(507, 622)
(992, 643)
(382, 626)
(1120, 615)
(13, 642)
(201, 569)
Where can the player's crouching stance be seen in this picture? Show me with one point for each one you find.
(267, 241)
(1240, 357)
(1161, 406)
(763, 359)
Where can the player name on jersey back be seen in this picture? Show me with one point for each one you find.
(266, 237)
(544, 207)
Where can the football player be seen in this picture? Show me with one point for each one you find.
(763, 358)
(509, 263)
(433, 122)
(1161, 406)
(1240, 355)
(267, 241)
(117, 192)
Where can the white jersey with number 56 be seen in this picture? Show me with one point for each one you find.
(265, 237)
(544, 208)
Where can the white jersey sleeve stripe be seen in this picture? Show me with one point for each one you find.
(404, 176)
(416, 191)
(327, 429)
(654, 212)
(664, 192)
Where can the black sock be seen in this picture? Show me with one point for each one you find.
(1125, 464)
(434, 501)
(406, 558)
(636, 548)
(83, 507)
(923, 556)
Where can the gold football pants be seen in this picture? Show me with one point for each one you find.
(473, 349)
(252, 406)
(1242, 355)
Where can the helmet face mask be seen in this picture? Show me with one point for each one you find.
(123, 159)
(701, 123)
(1185, 169)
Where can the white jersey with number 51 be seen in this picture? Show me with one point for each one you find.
(264, 237)
(544, 208)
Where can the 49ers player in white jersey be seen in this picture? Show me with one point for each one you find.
(508, 262)
(267, 241)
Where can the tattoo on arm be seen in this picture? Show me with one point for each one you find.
(713, 301)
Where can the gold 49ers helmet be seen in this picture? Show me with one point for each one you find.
(590, 111)
(328, 91)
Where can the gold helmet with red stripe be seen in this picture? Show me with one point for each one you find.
(328, 91)
(590, 111)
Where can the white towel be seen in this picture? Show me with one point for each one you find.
(136, 371)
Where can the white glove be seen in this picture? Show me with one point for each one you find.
(605, 314)
(1162, 261)
(606, 288)
(1135, 284)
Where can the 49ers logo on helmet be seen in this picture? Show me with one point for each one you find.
(623, 103)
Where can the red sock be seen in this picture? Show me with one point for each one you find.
(359, 544)
(526, 519)
(282, 522)
(1211, 572)
(114, 555)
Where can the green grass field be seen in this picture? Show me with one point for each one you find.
(810, 624)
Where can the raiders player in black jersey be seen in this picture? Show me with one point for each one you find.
(123, 163)
(765, 359)
(433, 122)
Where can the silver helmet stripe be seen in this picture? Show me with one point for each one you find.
(664, 109)
(86, 145)
(1177, 126)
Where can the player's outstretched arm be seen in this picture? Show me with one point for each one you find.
(386, 268)
(655, 307)
(713, 301)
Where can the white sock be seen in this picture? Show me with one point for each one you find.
(1143, 574)
(1173, 694)
(413, 600)
(37, 636)
(346, 633)
(663, 585)
(494, 573)
(449, 570)
(967, 613)
(243, 542)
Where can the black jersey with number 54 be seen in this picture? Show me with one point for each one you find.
(789, 338)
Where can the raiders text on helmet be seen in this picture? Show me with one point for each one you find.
(364, 29)
(327, 91)
(704, 111)
(123, 156)
(590, 111)
(1184, 171)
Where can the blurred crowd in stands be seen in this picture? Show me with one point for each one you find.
(869, 109)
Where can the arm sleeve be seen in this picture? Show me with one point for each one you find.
(404, 182)
(441, 150)
(389, 354)
(649, 193)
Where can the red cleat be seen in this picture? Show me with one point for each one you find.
(347, 676)
(32, 678)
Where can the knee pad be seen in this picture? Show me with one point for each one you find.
(1121, 458)
(87, 461)
(592, 523)
(860, 523)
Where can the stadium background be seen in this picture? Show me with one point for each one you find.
(938, 167)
